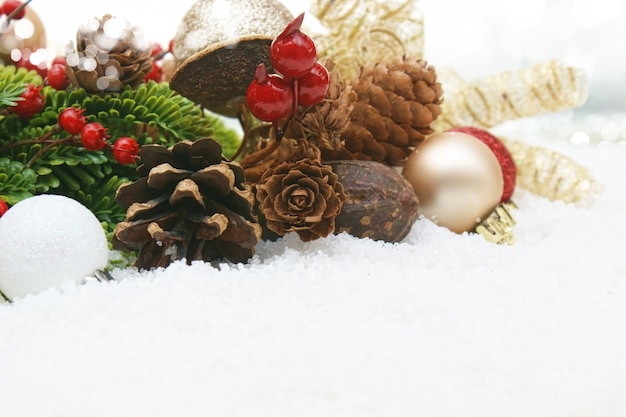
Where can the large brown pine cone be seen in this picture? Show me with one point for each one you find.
(109, 55)
(397, 102)
(190, 203)
(303, 197)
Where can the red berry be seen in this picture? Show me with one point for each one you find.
(25, 62)
(3, 207)
(312, 88)
(125, 150)
(156, 49)
(59, 59)
(93, 136)
(293, 53)
(57, 78)
(31, 104)
(72, 120)
(268, 96)
(155, 75)
(170, 46)
(10, 5)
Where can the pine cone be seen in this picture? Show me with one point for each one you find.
(323, 124)
(190, 203)
(397, 102)
(302, 197)
(104, 63)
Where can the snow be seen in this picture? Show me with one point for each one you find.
(437, 325)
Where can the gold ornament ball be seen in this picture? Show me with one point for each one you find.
(457, 179)
(27, 33)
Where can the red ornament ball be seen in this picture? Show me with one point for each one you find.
(504, 157)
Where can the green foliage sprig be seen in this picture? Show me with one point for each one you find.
(36, 156)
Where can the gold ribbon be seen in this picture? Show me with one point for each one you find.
(366, 31)
(487, 102)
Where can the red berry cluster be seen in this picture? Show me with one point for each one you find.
(301, 79)
(93, 136)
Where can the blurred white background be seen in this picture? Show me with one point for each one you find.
(476, 38)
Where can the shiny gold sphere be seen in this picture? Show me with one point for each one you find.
(27, 33)
(457, 179)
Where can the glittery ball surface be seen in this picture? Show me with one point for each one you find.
(211, 21)
(499, 149)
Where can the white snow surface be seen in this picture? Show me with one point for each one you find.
(437, 325)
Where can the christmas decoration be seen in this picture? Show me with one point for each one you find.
(357, 32)
(217, 54)
(48, 241)
(189, 203)
(321, 137)
(324, 124)
(457, 179)
(46, 154)
(553, 175)
(303, 197)
(107, 61)
(24, 51)
(380, 204)
(398, 99)
(499, 149)
(269, 96)
(57, 77)
(488, 102)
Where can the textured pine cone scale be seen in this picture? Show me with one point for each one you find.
(192, 204)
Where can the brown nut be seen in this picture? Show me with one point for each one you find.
(380, 204)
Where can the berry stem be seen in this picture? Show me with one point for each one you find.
(296, 92)
(44, 138)
(244, 121)
(54, 144)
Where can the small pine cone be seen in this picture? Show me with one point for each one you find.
(303, 197)
(270, 153)
(397, 102)
(190, 203)
(103, 63)
(324, 123)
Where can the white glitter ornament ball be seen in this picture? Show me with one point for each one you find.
(47, 241)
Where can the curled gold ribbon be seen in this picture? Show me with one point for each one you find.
(553, 175)
(487, 102)
(366, 31)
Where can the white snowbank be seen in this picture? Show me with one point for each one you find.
(438, 325)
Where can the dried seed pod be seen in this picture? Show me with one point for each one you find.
(380, 203)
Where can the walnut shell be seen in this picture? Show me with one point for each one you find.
(380, 204)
